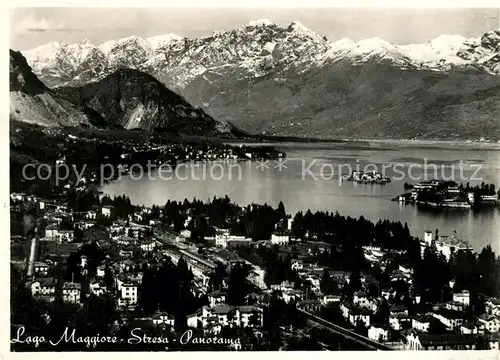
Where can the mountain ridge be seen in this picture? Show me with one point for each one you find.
(136, 52)
(132, 99)
(33, 102)
(276, 80)
(126, 98)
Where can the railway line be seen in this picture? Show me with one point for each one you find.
(348, 334)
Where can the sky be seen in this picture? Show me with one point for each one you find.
(31, 27)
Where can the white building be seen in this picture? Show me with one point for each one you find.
(295, 295)
(462, 297)
(17, 196)
(217, 298)
(44, 287)
(329, 299)
(41, 268)
(450, 318)
(280, 239)
(421, 323)
(246, 313)
(364, 301)
(494, 343)
(53, 232)
(71, 292)
(493, 306)
(226, 315)
(91, 215)
(221, 240)
(396, 321)
(107, 210)
(448, 246)
(224, 239)
(163, 318)
(129, 294)
(490, 322)
(469, 328)
(97, 288)
(378, 333)
(148, 246)
(354, 314)
(428, 237)
(256, 277)
(101, 270)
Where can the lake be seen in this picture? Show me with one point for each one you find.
(310, 178)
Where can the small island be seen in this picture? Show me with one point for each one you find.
(449, 194)
(370, 177)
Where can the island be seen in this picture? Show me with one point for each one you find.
(370, 177)
(449, 194)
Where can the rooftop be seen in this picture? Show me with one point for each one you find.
(488, 318)
(222, 309)
(423, 318)
(494, 301)
(450, 314)
(360, 311)
(249, 308)
(217, 293)
(46, 282)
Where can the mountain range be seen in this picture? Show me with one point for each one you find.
(126, 98)
(289, 80)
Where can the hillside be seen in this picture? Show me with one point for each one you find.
(372, 100)
(31, 101)
(135, 100)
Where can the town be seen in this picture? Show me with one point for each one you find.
(40, 158)
(255, 273)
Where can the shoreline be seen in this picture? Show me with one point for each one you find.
(454, 144)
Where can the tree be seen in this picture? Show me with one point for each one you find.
(108, 277)
(354, 281)
(488, 268)
(482, 343)
(216, 278)
(361, 328)
(236, 289)
(436, 327)
(230, 317)
(327, 285)
(383, 313)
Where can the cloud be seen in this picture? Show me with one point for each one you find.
(38, 25)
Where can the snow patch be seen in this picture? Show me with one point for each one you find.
(269, 47)
(261, 22)
(299, 28)
(163, 40)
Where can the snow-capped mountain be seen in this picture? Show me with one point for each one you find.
(254, 49)
(265, 77)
